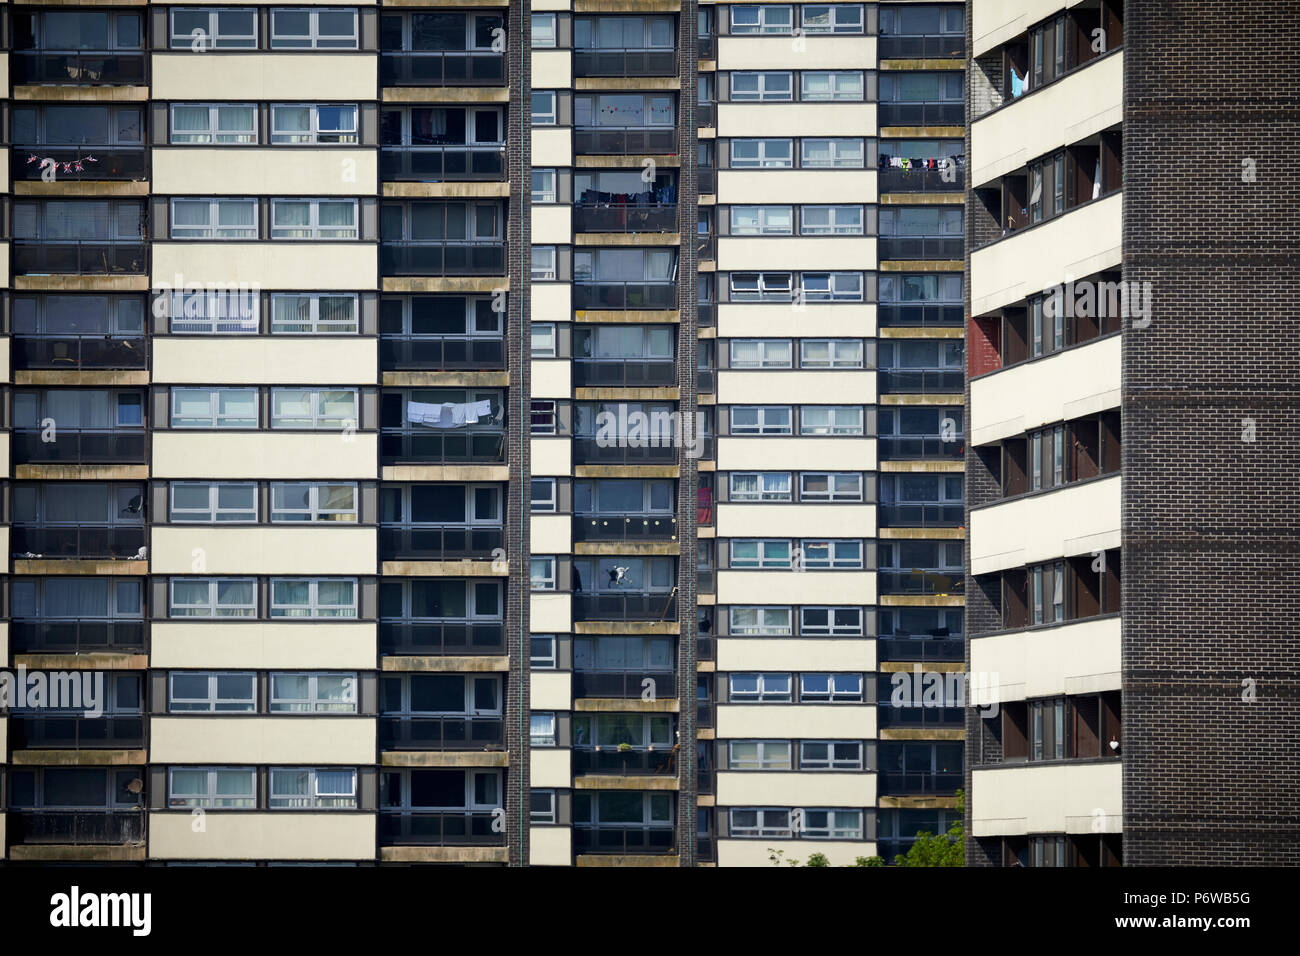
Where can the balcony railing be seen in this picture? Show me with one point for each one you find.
(442, 68)
(924, 717)
(920, 516)
(625, 142)
(922, 114)
(80, 351)
(921, 380)
(920, 649)
(433, 544)
(918, 783)
(919, 181)
(85, 68)
(592, 451)
(430, 447)
(615, 761)
(707, 47)
(921, 581)
(624, 684)
(624, 607)
(624, 373)
(440, 163)
(79, 446)
(624, 295)
(706, 115)
(80, 542)
(76, 637)
(624, 62)
(75, 827)
(706, 648)
(920, 315)
(40, 257)
(438, 352)
(441, 733)
(111, 163)
(610, 838)
(624, 527)
(707, 180)
(118, 732)
(707, 315)
(922, 47)
(706, 581)
(442, 259)
(439, 828)
(706, 247)
(921, 447)
(438, 640)
(920, 247)
(624, 217)
(706, 380)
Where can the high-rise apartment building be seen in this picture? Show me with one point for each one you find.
(326, 322)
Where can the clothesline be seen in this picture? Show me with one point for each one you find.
(448, 414)
(888, 160)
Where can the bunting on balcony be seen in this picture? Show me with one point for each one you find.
(75, 166)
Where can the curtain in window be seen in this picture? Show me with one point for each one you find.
(236, 122)
(235, 594)
(336, 214)
(190, 119)
(86, 597)
(336, 596)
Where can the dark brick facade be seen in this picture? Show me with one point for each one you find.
(1211, 521)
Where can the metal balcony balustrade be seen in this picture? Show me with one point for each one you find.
(917, 380)
(81, 542)
(442, 163)
(921, 447)
(920, 515)
(42, 257)
(624, 685)
(921, 114)
(637, 761)
(920, 247)
(427, 446)
(625, 62)
(441, 352)
(610, 295)
(80, 68)
(888, 782)
(106, 827)
(397, 258)
(624, 839)
(624, 218)
(98, 350)
(72, 446)
(624, 607)
(115, 163)
(77, 637)
(455, 732)
(442, 68)
(655, 526)
(922, 717)
(439, 828)
(67, 732)
(415, 543)
(624, 373)
(592, 451)
(921, 581)
(454, 638)
(606, 141)
(898, 47)
(893, 179)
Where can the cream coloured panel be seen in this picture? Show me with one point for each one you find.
(267, 454)
(550, 534)
(551, 378)
(552, 301)
(796, 587)
(288, 835)
(285, 739)
(798, 252)
(550, 846)
(831, 386)
(796, 520)
(795, 53)
(797, 185)
(1081, 657)
(777, 789)
(766, 454)
(332, 549)
(757, 852)
(263, 645)
(318, 266)
(1063, 798)
(550, 613)
(273, 171)
(321, 77)
(1076, 519)
(552, 146)
(252, 360)
(804, 653)
(775, 320)
(551, 456)
(552, 225)
(797, 721)
(550, 767)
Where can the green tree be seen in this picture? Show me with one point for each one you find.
(946, 849)
(818, 859)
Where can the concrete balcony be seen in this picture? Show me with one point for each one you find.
(1058, 798)
(1081, 657)
(1075, 519)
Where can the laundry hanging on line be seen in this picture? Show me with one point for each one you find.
(448, 414)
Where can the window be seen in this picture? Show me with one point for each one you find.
(314, 219)
(832, 554)
(211, 692)
(832, 154)
(761, 353)
(314, 597)
(759, 553)
(830, 687)
(313, 123)
(543, 652)
(832, 824)
(217, 788)
(1047, 582)
(832, 18)
(213, 597)
(753, 18)
(541, 807)
(543, 185)
(841, 85)
(830, 621)
(541, 573)
(830, 353)
(831, 286)
(761, 420)
(543, 342)
(301, 29)
(315, 409)
(544, 263)
(212, 28)
(543, 418)
(313, 501)
(308, 693)
(760, 486)
(544, 497)
(762, 221)
(767, 86)
(214, 219)
(313, 313)
(543, 31)
(760, 823)
(214, 408)
(213, 123)
(294, 788)
(830, 755)
(77, 598)
(544, 113)
(759, 687)
(762, 153)
(214, 312)
(830, 221)
(213, 502)
(541, 730)
(830, 420)
(759, 755)
(760, 621)
(761, 286)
